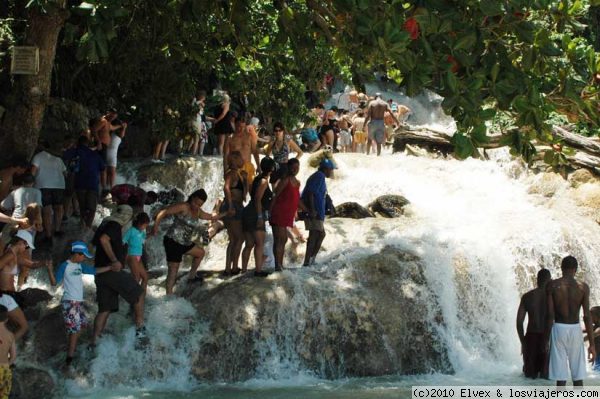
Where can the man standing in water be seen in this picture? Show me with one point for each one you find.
(313, 197)
(245, 143)
(565, 297)
(376, 112)
(533, 346)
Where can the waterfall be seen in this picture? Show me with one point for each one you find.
(478, 232)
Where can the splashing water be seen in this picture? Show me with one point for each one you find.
(481, 238)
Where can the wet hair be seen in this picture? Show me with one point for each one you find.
(33, 213)
(595, 311)
(239, 118)
(278, 125)
(3, 313)
(543, 276)
(569, 263)
(140, 219)
(291, 162)
(151, 198)
(199, 194)
(27, 178)
(267, 165)
(320, 106)
(83, 140)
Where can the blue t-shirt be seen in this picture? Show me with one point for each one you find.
(134, 239)
(87, 166)
(315, 186)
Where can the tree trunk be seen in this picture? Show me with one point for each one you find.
(29, 96)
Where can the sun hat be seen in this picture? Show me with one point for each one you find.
(122, 215)
(25, 236)
(80, 247)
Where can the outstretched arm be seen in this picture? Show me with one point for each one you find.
(171, 210)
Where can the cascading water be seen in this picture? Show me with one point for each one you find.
(473, 231)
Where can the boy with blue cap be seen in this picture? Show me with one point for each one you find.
(313, 196)
(70, 273)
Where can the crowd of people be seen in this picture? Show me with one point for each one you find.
(260, 188)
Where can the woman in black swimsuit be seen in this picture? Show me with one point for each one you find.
(223, 123)
(255, 215)
(235, 190)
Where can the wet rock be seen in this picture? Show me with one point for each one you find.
(317, 323)
(352, 210)
(31, 383)
(49, 337)
(389, 206)
(65, 119)
(34, 296)
(546, 184)
(581, 176)
(186, 173)
(152, 274)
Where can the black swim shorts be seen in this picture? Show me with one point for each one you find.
(110, 285)
(52, 196)
(175, 250)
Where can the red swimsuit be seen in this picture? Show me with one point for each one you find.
(285, 206)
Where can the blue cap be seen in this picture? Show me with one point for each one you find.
(80, 247)
(327, 163)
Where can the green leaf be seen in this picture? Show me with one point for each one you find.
(466, 42)
(491, 7)
(463, 147)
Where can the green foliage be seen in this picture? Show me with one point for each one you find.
(525, 61)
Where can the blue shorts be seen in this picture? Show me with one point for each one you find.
(310, 135)
(377, 130)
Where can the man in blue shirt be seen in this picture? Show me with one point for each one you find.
(313, 196)
(87, 166)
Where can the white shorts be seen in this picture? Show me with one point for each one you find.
(345, 138)
(8, 302)
(111, 158)
(567, 353)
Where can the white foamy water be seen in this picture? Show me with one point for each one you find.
(481, 236)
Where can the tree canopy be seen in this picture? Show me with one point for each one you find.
(526, 59)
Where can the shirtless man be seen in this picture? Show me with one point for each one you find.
(101, 128)
(245, 143)
(388, 120)
(403, 113)
(566, 296)
(375, 122)
(533, 346)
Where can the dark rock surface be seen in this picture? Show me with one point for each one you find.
(389, 206)
(352, 210)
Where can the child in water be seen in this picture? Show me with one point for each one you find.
(135, 238)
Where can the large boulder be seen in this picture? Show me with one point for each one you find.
(49, 338)
(33, 296)
(546, 184)
(186, 173)
(64, 119)
(31, 383)
(379, 320)
(389, 206)
(581, 176)
(352, 210)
